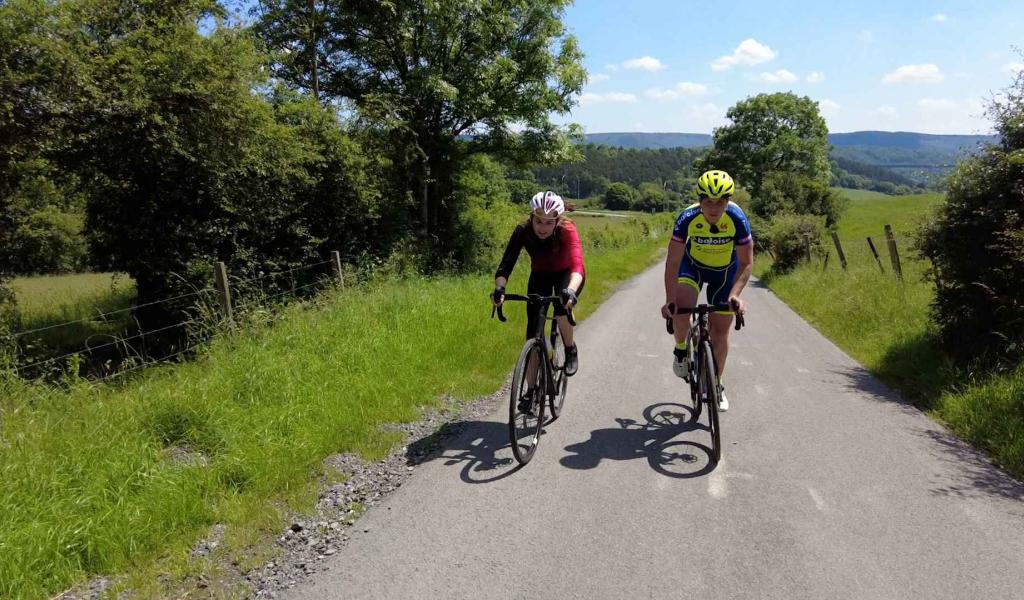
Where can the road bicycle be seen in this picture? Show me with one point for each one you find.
(702, 368)
(537, 386)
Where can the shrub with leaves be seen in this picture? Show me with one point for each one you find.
(976, 244)
(787, 238)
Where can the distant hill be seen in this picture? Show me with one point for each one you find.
(649, 140)
(916, 156)
(936, 145)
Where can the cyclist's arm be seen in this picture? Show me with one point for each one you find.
(576, 255)
(509, 258)
(676, 252)
(745, 256)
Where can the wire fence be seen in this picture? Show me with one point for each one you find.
(882, 250)
(204, 312)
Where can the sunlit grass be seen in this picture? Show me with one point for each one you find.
(88, 483)
(886, 325)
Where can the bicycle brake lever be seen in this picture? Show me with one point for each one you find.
(669, 325)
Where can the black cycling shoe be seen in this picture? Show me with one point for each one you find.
(572, 361)
(527, 402)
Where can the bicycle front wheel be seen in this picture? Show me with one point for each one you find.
(526, 402)
(559, 382)
(711, 394)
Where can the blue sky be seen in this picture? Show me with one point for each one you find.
(664, 65)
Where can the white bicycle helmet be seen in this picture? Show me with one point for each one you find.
(548, 203)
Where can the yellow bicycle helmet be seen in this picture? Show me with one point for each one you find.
(715, 184)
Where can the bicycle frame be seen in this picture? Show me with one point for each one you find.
(542, 319)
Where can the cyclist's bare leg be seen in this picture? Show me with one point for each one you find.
(686, 297)
(566, 330)
(720, 326)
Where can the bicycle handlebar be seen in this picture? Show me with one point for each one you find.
(702, 309)
(496, 308)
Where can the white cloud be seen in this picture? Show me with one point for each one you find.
(749, 52)
(915, 74)
(644, 63)
(866, 36)
(938, 18)
(612, 68)
(705, 116)
(816, 77)
(885, 112)
(1014, 67)
(686, 88)
(780, 76)
(590, 98)
(597, 78)
(829, 108)
(936, 103)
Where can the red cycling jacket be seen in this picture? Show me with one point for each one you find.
(543, 253)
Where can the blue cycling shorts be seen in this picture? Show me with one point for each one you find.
(719, 281)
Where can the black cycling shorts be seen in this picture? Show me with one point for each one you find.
(547, 284)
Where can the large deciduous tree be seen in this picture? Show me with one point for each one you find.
(771, 133)
(444, 79)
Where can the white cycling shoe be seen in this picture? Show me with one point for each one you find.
(723, 403)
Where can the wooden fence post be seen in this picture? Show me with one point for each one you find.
(825, 266)
(220, 274)
(894, 254)
(807, 246)
(336, 267)
(875, 253)
(839, 250)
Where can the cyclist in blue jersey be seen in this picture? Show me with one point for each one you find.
(711, 245)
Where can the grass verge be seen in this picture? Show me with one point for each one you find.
(885, 325)
(106, 480)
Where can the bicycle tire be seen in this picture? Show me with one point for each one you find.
(560, 381)
(691, 358)
(711, 398)
(524, 439)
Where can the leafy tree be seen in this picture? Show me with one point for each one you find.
(787, 192)
(771, 133)
(444, 79)
(42, 86)
(619, 196)
(976, 244)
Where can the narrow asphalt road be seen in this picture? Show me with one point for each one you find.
(830, 487)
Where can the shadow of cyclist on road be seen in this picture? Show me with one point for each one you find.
(652, 439)
(481, 447)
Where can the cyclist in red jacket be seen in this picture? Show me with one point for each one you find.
(554, 247)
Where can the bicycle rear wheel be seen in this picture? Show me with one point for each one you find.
(711, 395)
(526, 403)
(560, 382)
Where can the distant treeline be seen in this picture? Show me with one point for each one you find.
(604, 165)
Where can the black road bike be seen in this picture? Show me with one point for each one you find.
(702, 367)
(532, 393)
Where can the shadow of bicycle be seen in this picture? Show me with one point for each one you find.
(481, 447)
(653, 439)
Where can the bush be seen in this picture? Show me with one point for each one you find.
(788, 192)
(619, 196)
(50, 241)
(785, 239)
(976, 245)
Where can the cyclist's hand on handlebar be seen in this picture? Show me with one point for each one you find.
(568, 298)
(498, 296)
(737, 304)
(668, 309)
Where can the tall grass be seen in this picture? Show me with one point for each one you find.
(90, 484)
(886, 326)
(49, 300)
